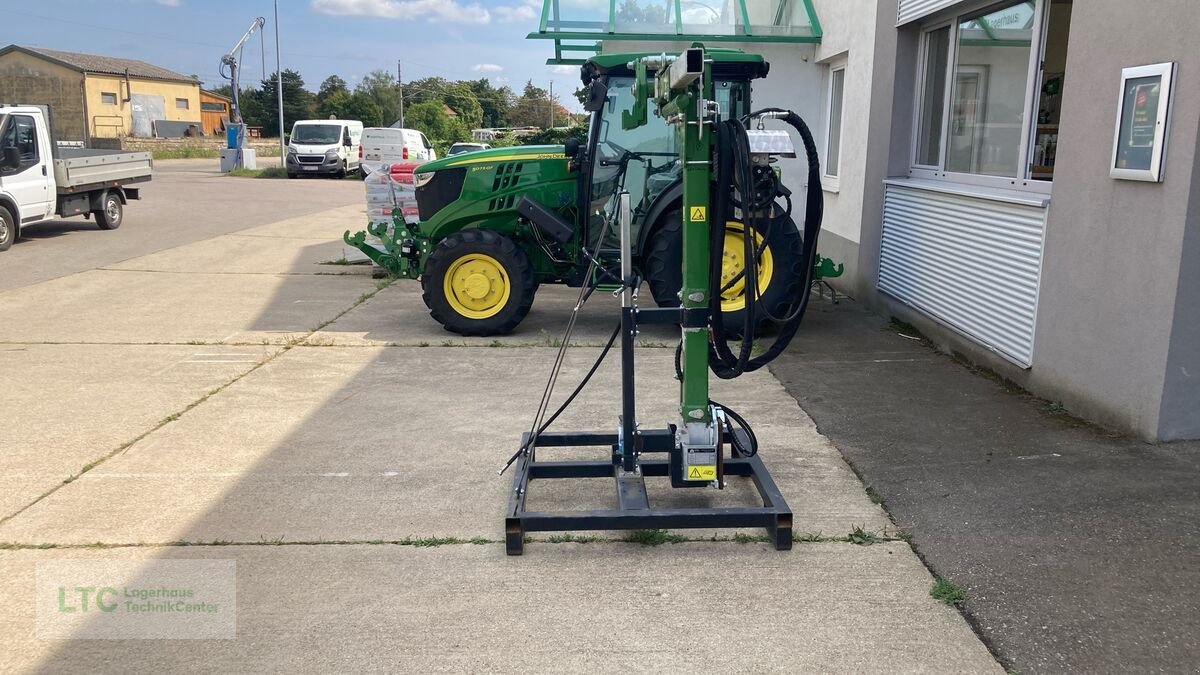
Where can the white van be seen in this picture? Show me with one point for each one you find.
(393, 144)
(324, 147)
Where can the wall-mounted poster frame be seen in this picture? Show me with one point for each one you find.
(1139, 142)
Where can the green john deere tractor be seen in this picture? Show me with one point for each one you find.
(495, 224)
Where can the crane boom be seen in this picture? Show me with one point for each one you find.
(232, 61)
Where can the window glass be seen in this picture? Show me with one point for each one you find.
(833, 148)
(108, 98)
(642, 160)
(1049, 108)
(181, 103)
(21, 134)
(933, 99)
(208, 106)
(991, 76)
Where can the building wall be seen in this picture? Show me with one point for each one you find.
(1117, 321)
(101, 116)
(213, 120)
(849, 38)
(25, 79)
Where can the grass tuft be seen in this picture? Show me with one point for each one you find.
(266, 172)
(654, 537)
(948, 592)
(863, 537)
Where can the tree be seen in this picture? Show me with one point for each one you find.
(332, 85)
(336, 104)
(494, 102)
(297, 102)
(364, 109)
(462, 100)
(425, 89)
(380, 86)
(431, 118)
(533, 109)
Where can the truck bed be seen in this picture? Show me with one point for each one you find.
(78, 167)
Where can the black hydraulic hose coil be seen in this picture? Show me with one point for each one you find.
(733, 155)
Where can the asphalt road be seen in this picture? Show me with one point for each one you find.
(183, 186)
(1078, 547)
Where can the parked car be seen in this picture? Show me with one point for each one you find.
(39, 180)
(459, 148)
(329, 147)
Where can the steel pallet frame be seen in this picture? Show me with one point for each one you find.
(634, 511)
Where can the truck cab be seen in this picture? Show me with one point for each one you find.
(39, 181)
(26, 182)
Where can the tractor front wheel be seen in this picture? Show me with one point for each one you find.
(478, 283)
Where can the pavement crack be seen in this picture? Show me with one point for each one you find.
(635, 537)
(284, 348)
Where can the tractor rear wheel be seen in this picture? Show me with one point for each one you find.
(477, 283)
(779, 269)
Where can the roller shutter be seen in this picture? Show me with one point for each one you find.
(911, 10)
(972, 263)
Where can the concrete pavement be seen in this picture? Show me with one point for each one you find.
(331, 431)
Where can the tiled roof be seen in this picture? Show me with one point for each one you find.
(108, 65)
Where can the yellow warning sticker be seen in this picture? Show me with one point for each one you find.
(702, 473)
(698, 213)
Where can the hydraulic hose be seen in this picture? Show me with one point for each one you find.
(758, 201)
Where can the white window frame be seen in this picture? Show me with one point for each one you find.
(829, 182)
(1023, 181)
(187, 103)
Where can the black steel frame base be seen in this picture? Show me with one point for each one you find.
(634, 511)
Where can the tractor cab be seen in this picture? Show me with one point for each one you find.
(644, 160)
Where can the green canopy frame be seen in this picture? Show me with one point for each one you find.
(578, 27)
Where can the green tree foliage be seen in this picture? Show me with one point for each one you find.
(494, 102)
(630, 11)
(380, 86)
(364, 109)
(532, 109)
(336, 104)
(297, 103)
(424, 90)
(462, 100)
(332, 85)
(556, 136)
(431, 118)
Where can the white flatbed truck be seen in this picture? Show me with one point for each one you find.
(41, 181)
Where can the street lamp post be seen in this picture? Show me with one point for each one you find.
(279, 87)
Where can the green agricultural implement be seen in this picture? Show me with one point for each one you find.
(495, 224)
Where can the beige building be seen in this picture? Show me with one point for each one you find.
(99, 96)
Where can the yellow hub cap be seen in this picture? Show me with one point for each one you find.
(733, 262)
(477, 286)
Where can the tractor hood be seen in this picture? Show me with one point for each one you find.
(494, 155)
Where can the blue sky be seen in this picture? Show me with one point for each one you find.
(456, 39)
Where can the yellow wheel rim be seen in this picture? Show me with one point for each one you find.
(733, 262)
(477, 286)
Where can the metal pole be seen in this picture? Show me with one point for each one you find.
(551, 105)
(400, 86)
(631, 444)
(279, 85)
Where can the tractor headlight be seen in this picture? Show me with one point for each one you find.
(420, 179)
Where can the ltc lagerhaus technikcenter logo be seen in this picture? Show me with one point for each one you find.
(137, 599)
